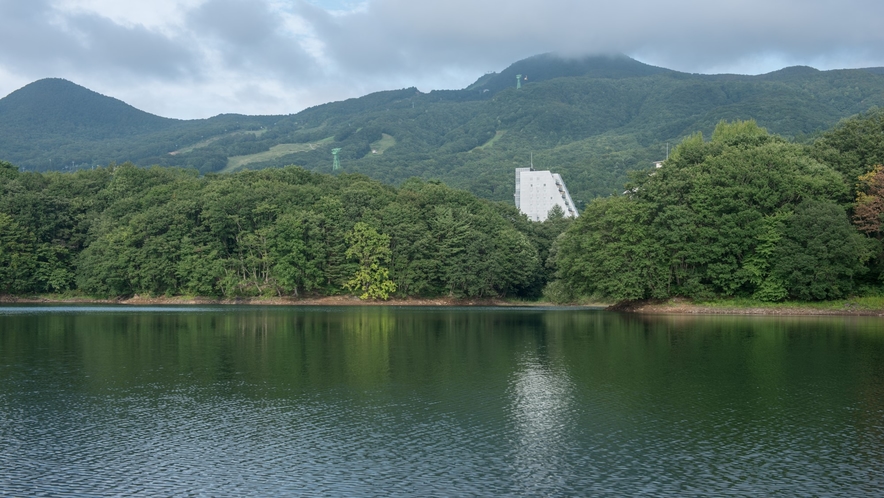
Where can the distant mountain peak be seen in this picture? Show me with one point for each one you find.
(551, 65)
(791, 72)
(59, 106)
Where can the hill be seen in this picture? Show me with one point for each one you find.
(54, 124)
(55, 106)
(549, 66)
(592, 119)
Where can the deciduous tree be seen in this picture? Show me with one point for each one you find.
(371, 250)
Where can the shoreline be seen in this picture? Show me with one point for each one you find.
(668, 307)
(683, 307)
(264, 301)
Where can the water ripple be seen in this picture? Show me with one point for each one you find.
(459, 405)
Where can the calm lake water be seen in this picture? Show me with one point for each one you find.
(239, 401)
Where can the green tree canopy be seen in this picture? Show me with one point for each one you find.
(124, 230)
(725, 217)
(371, 250)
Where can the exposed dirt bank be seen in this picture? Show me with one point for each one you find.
(682, 307)
(671, 307)
(263, 301)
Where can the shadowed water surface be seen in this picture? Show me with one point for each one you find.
(225, 401)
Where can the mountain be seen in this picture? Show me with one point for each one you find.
(550, 66)
(55, 106)
(52, 123)
(591, 119)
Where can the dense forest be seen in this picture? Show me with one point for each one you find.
(745, 214)
(124, 230)
(591, 120)
(772, 206)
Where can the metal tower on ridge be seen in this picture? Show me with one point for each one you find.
(337, 163)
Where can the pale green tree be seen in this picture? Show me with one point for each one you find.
(371, 250)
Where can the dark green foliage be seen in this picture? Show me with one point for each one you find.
(820, 254)
(56, 125)
(298, 250)
(591, 119)
(125, 230)
(550, 66)
(611, 251)
(58, 107)
(47, 220)
(17, 259)
(855, 146)
(745, 214)
(732, 216)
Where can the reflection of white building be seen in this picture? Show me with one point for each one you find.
(545, 420)
(538, 191)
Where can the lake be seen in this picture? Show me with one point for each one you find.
(370, 401)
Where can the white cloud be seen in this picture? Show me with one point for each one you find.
(160, 15)
(196, 58)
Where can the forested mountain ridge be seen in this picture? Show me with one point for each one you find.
(590, 119)
(52, 123)
(55, 106)
(746, 214)
(548, 66)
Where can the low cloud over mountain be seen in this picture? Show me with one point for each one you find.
(196, 58)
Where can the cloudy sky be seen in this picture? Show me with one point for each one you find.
(199, 58)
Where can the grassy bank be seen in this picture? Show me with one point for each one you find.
(869, 305)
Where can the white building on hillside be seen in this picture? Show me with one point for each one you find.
(538, 191)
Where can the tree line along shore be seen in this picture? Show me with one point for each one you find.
(742, 215)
